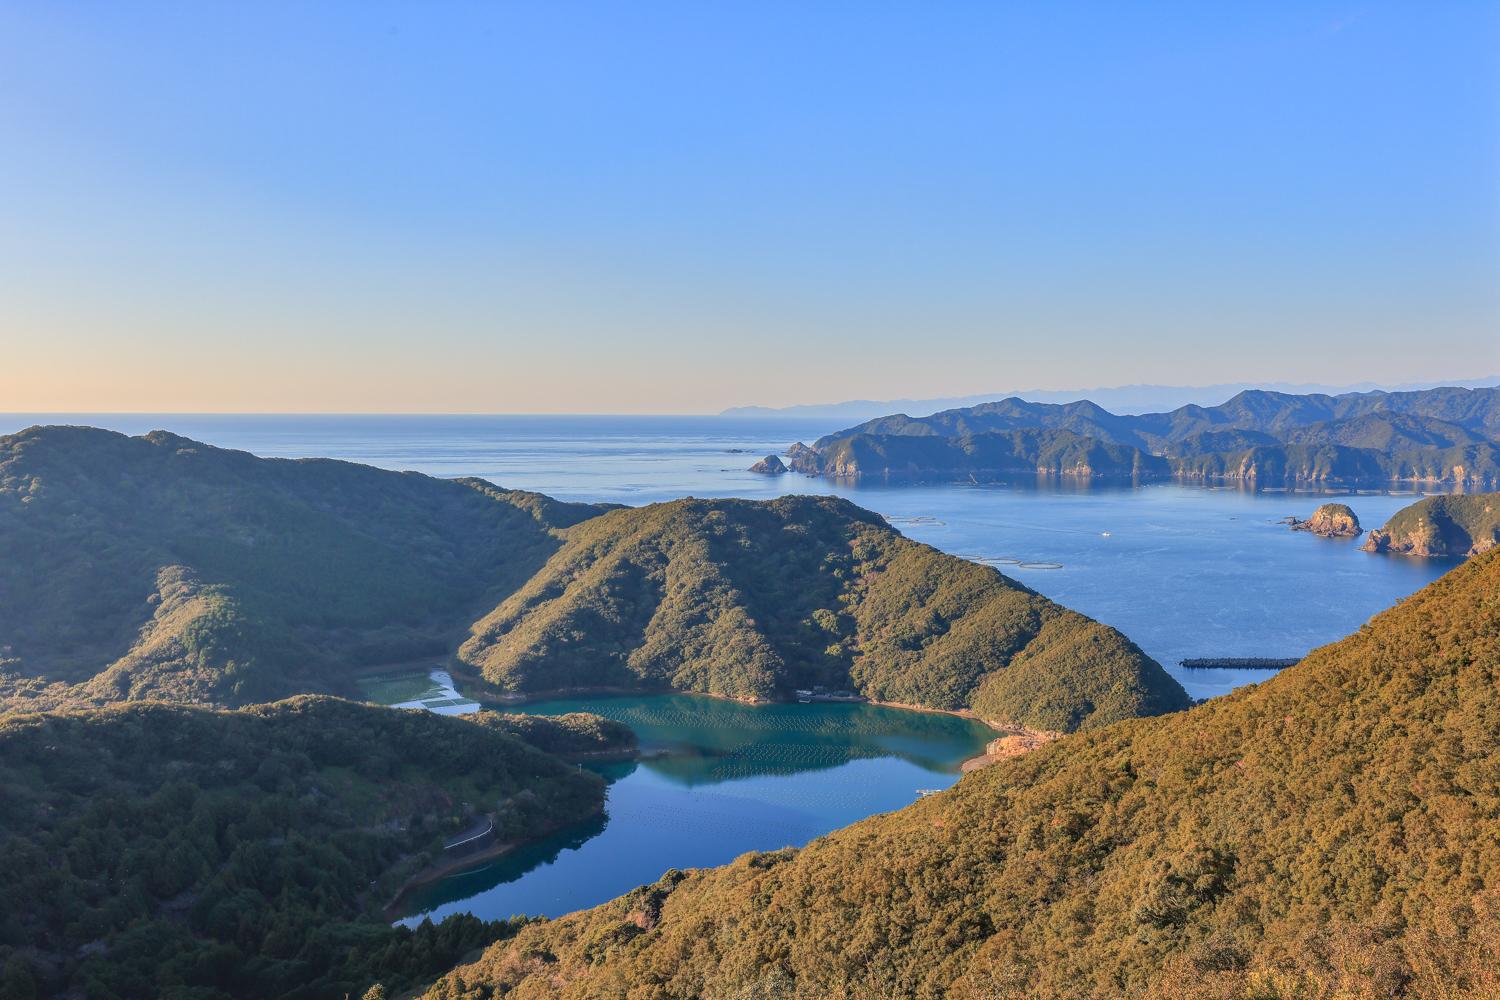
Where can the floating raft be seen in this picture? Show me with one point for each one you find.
(1239, 663)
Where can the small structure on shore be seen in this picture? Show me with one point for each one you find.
(474, 838)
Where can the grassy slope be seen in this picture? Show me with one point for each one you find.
(159, 567)
(1442, 526)
(1334, 831)
(751, 600)
(152, 848)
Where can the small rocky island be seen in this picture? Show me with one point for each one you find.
(771, 465)
(1331, 520)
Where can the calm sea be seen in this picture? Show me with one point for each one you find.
(1185, 571)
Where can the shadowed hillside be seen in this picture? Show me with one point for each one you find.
(754, 599)
(1328, 833)
(160, 567)
(160, 850)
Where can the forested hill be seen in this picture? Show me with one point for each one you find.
(1330, 833)
(1457, 416)
(756, 599)
(160, 567)
(1441, 526)
(1434, 435)
(153, 850)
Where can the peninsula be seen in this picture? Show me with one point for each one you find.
(1441, 436)
(1441, 526)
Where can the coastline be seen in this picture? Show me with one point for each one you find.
(1011, 740)
(941, 477)
(531, 697)
(441, 869)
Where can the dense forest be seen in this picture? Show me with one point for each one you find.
(754, 599)
(1435, 435)
(1329, 833)
(1441, 526)
(152, 850)
(157, 567)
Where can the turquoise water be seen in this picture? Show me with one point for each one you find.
(730, 778)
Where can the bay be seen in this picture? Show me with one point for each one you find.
(716, 779)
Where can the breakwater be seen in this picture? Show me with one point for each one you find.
(1238, 663)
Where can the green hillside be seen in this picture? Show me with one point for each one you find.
(1437, 435)
(159, 567)
(1220, 455)
(1330, 833)
(1448, 416)
(987, 455)
(755, 599)
(149, 850)
(1442, 526)
(1385, 431)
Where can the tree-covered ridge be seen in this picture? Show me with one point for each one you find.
(153, 850)
(755, 599)
(160, 567)
(1442, 526)
(992, 453)
(1331, 833)
(1466, 415)
(1436, 435)
(574, 735)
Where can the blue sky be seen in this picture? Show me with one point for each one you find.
(679, 207)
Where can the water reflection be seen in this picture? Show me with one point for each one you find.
(717, 779)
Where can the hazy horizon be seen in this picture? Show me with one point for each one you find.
(673, 208)
(835, 411)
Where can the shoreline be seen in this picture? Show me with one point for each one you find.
(1010, 741)
(584, 692)
(440, 869)
(1273, 484)
(1017, 741)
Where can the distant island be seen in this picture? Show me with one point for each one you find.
(1445, 436)
(1441, 526)
(1330, 520)
(771, 465)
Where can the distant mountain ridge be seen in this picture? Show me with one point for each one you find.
(1443, 435)
(1118, 399)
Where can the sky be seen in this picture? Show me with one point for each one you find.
(679, 207)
